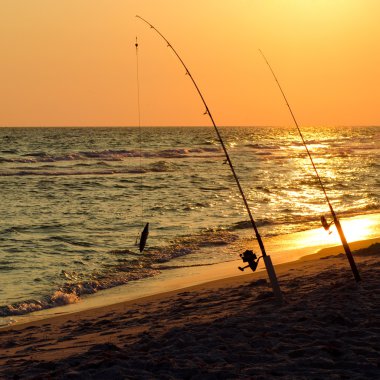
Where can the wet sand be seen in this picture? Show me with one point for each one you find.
(327, 327)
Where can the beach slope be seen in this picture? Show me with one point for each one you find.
(328, 327)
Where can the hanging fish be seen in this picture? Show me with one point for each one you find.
(144, 237)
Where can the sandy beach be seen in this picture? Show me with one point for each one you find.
(327, 328)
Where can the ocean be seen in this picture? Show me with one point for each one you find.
(74, 200)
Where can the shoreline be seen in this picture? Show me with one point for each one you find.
(204, 276)
(227, 328)
(283, 249)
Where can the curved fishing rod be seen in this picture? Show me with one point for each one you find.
(219, 137)
(266, 258)
(335, 218)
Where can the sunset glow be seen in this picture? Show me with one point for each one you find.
(359, 229)
(355, 229)
(73, 63)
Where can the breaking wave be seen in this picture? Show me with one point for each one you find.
(58, 298)
(71, 292)
(128, 266)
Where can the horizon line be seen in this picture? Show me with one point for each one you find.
(190, 126)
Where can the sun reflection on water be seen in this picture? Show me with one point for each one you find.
(354, 229)
(358, 229)
(295, 245)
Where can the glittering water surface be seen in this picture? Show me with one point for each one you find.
(72, 199)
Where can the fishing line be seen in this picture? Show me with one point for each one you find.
(139, 125)
(267, 260)
(144, 235)
(299, 131)
(335, 218)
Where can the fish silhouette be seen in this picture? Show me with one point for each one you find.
(144, 237)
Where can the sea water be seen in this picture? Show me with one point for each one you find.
(74, 200)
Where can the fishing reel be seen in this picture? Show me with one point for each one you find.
(250, 258)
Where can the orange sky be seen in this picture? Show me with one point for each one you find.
(72, 62)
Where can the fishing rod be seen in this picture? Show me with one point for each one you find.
(267, 259)
(333, 214)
